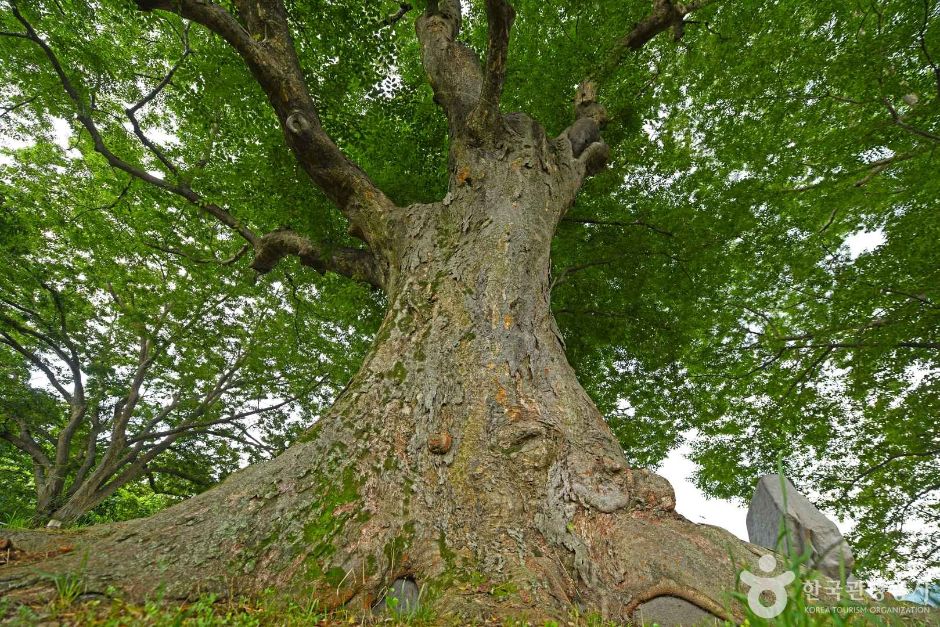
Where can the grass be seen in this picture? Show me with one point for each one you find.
(16, 520)
(68, 588)
(271, 609)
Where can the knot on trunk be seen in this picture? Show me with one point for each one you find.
(587, 106)
(440, 443)
(585, 134)
(297, 123)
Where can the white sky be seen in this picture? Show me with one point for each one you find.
(692, 502)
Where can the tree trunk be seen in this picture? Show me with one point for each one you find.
(75, 506)
(464, 455)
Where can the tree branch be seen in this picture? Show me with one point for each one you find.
(922, 39)
(395, 17)
(268, 50)
(91, 451)
(200, 260)
(452, 67)
(182, 190)
(618, 223)
(50, 343)
(666, 15)
(33, 358)
(28, 445)
(84, 117)
(891, 458)
(16, 105)
(73, 360)
(352, 262)
(898, 120)
(131, 111)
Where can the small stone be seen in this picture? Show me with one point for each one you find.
(440, 443)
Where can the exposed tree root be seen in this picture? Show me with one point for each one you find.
(670, 588)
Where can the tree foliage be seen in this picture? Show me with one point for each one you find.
(129, 358)
(704, 280)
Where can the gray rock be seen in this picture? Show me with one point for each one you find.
(808, 529)
(670, 611)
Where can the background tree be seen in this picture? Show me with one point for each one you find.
(737, 161)
(126, 359)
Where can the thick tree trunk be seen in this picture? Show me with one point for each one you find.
(464, 455)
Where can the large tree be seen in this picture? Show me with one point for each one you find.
(466, 449)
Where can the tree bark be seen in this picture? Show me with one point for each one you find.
(464, 455)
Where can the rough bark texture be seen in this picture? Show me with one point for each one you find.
(464, 455)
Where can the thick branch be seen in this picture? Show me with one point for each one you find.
(666, 14)
(28, 445)
(453, 68)
(73, 360)
(124, 410)
(91, 452)
(268, 49)
(352, 262)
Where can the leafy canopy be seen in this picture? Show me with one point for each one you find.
(703, 280)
